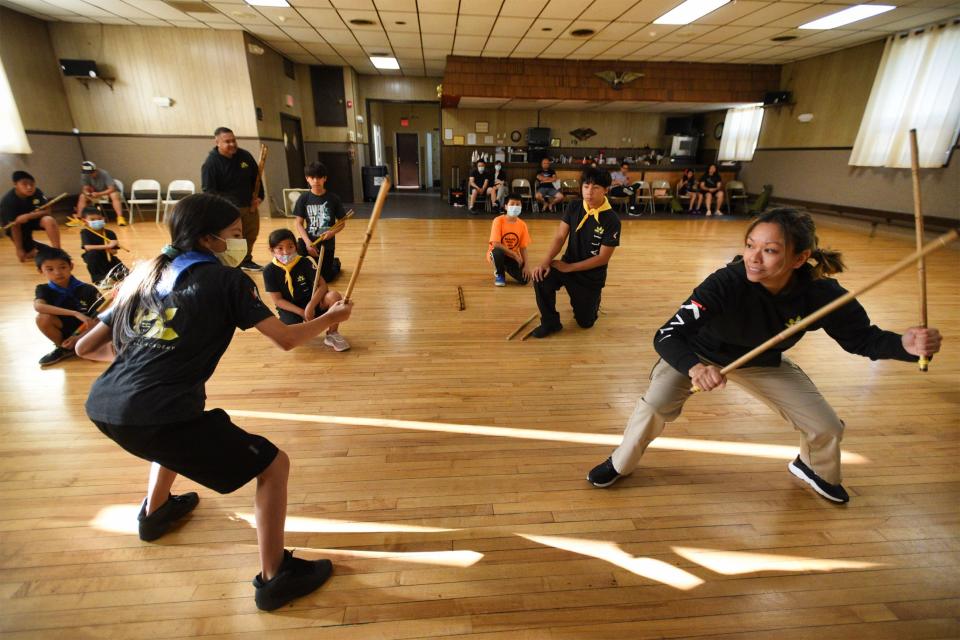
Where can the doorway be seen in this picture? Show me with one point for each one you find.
(293, 148)
(408, 161)
(339, 173)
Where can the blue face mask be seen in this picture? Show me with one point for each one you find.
(98, 225)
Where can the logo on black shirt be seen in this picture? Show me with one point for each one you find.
(153, 325)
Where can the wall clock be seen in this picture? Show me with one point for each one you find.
(515, 136)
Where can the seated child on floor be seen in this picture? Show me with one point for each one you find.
(100, 247)
(66, 307)
(289, 279)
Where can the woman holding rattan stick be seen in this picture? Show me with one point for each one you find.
(773, 285)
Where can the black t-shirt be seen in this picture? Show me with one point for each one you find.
(711, 181)
(480, 178)
(319, 212)
(727, 315)
(232, 178)
(303, 274)
(80, 296)
(499, 176)
(13, 205)
(586, 243)
(159, 377)
(546, 173)
(88, 237)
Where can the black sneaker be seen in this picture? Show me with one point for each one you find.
(604, 474)
(55, 356)
(250, 265)
(832, 492)
(170, 512)
(296, 577)
(543, 331)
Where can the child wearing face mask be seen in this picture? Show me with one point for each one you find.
(289, 280)
(100, 247)
(509, 239)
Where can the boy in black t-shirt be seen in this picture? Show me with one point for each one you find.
(20, 217)
(289, 279)
(316, 212)
(593, 230)
(65, 306)
(100, 247)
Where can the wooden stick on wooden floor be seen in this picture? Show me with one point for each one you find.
(45, 205)
(918, 217)
(377, 209)
(461, 303)
(532, 317)
(939, 243)
(526, 334)
(316, 278)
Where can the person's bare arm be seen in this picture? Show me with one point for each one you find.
(540, 272)
(97, 344)
(288, 337)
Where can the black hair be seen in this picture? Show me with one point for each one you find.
(90, 210)
(194, 217)
(52, 253)
(707, 170)
(22, 175)
(625, 164)
(597, 176)
(546, 158)
(219, 130)
(800, 234)
(514, 196)
(315, 170)
(279, 235)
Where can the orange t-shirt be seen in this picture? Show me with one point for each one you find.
(512, 235)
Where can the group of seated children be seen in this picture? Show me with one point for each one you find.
(492, 185)
(709, 190)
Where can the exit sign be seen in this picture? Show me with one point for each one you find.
(404, 122)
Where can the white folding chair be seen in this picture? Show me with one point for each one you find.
(662, 192)
(176, 190)
(144, 191)
(521, 186)
(736, 190)
(644, 196)
(290, 197)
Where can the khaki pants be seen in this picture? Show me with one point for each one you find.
(785, 389)
(251, 228)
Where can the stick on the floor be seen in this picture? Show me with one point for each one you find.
(525, 323)
(377, 209)
(911, 259)
(460, 301)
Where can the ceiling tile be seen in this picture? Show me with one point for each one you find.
(511, 26)
(404, 39)
(489, 8)
(771, 12)
(721, 34)
(468, 45)
(337, 36)
(396, 5)
(303, 34)
(521, 8)
(352, 14)
(323, 18)
(616, 31)
(283, 17)
(556, 28)
(687, 32)
(731, 11)
(321, 4)
(496, 42)
(362, 5)
(566, 8)
(241, 13)
(391, 18)
(438, 6)
(160, 9)
(798, 18)
(372, 38)
(437, 41)
(474, 25)
(438, 23)
(649, 10)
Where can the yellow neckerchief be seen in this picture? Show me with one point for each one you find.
(287, 268)
(594, 213)
(106, 240)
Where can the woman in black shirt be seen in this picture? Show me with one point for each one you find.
(173, 320)
(738, 308)
(712, 187)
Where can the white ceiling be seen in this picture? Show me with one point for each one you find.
(421, 33)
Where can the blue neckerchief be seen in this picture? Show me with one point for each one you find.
(180, 265)
(66, 293)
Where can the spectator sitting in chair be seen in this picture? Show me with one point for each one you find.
(95, 184)
(712, 186)
(548, 195)
(479, 182)
(498, 189)
(688, 187)
(620, 186)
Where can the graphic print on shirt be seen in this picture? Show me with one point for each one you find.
(595, 243)
(510, 240)
(320, 218)
(694, 308)
(154, 326)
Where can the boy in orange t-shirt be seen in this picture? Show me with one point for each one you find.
(509, 239)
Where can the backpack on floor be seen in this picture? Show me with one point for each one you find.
(675, 205)
(760, 204)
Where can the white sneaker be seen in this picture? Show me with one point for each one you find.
(336, 341)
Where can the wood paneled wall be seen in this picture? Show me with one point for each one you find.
(575, 80)
(33, 72)
(204, 71)
(423, 118)
(398, 88)
(835, 88)
(614, 128)
(271, 87)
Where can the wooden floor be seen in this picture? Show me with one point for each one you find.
(442, 468)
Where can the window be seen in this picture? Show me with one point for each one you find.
(917, 87)
(13, 139)
(741, 130)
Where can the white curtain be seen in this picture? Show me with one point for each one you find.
(13, 139)
(741, 130)
(917, 87)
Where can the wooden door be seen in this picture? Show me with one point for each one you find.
(408, 161)
(293, 147)
(339, 173)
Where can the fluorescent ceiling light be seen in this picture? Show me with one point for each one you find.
(268, 3)
(384, 62)
(689, 11)
(853, 14)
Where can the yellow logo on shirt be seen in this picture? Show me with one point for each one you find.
(793, 321)
(152, 325)
(36, 201)
(244, 165)
(598, 230)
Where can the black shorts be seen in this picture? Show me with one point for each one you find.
(210, 450)
(68, 325)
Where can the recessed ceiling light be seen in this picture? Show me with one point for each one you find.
(689, 11)
(384, 62)
(361, 22)
(783, 38)
(851, 14)
(582, 33)
(268, 3)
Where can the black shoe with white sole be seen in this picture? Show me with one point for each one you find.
(604, 474)
(832, 492)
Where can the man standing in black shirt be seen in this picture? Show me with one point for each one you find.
(594, 232)
(231, 172)
(19, 208)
